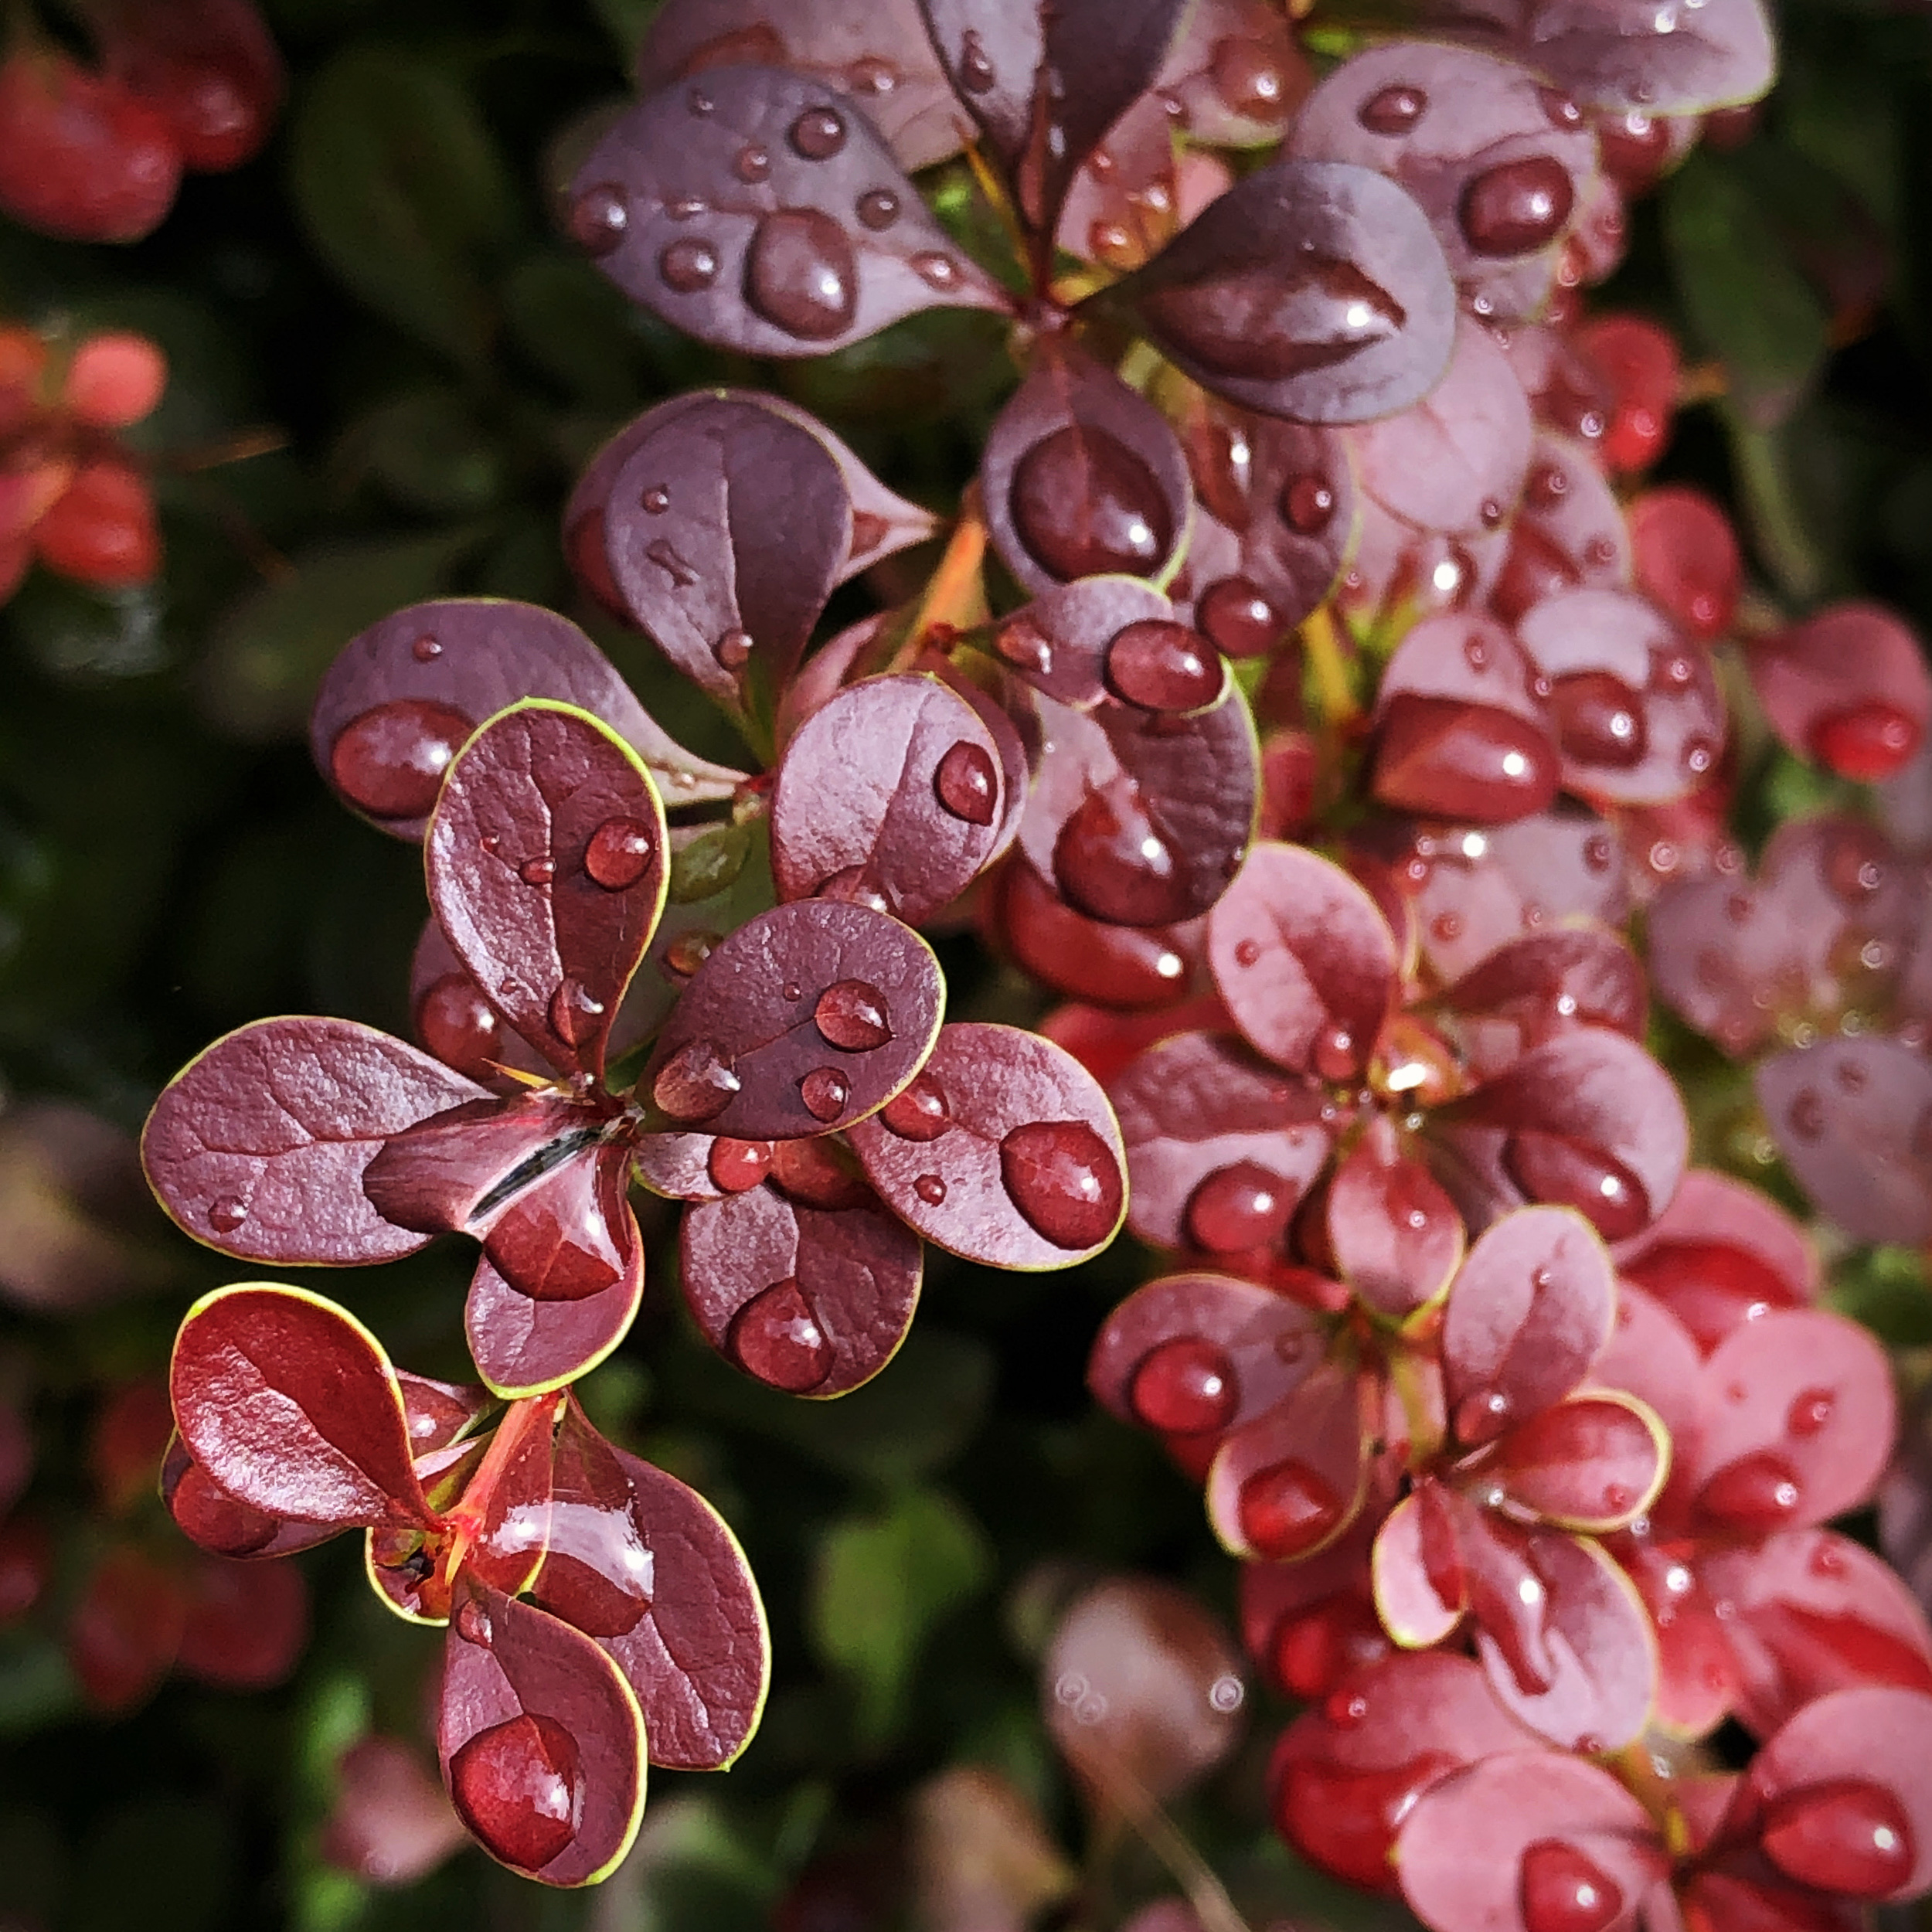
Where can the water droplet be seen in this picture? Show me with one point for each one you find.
(1567, 1173)
(1810, 1409)
(426, 650)
(776, 1337)
(1454, 758)
(736, 1167)
(389, 761)
(1599, 852)
(686, 953)
(920, 1113)
(577, 1015)
(1600, 720)
(852, 1015)
(792, 989)
(1111, 862)
(967, 783)
(818, 133)
(537, 872)
(851, 886)
(1248, 78)
(1806, 1118)
(1699, 756)
(976, 73)
(1161, 665)
(686, 207)
(870, 74)
(931, 1189)
(1446, 928)
(1239, 1208)
(687, 264)
(878, 209)
(1481, 1417)
(733, 650)
(1286, 1509)
(457, 1023)
(696, 1084)
(1517, 207)
(752, 164)
(473, 1623)
(620, 852)
(1393, 110)
(1866, 742)
(1083, 504)
(1065, 1180)
(936, 270)
(1562, 111)
(1022, 643)
(1247, 952)
(1756, 1493)
(1185, 1387)
(598, 217)
(698, 101)
(1561, 1891)
(1337, 1057)
(824, 1091)
(1847, 1836)
(802, 274)
(1238, 618)
(1308, 505)
(227, 1214)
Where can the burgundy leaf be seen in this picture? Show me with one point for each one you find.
(1310, 290)
(1590, 1462)
(1080, 477)
(1140, 818)
(257, 1148)
(758, 210)
(1651, 1354)
(401, 699)
(725, 529)
(1221, 1147)
(547, 861)
(1697, 1672)
(1004, 706)
(1397, 572)
(809, 1301)
(452, 1019)
(1853, 1120)
(1421, 1591)
(391, 1824)
(1313, 1623)
(1236, 73)
(1062, 644)
(541, 1741)
(641, 1562)
(891, 795)
(523, 1346)
(1533, 989)
(1126, 967)
(1003, 1149)
(1848, 687)
(1291, 1481)
(1011, 66)
(876, 50)
(1305, 960)
(1569, 531)
(1685, 555)
(246, 1624)
(291, 1406)
(124, 1627)
(1395, 1237)
(1526, 1316)
(806, 1019)
(223, 1525)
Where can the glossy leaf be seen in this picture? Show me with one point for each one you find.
(1290, 1482)
(809, 1300)
(1533, 989)
(755, 210)
(1124, 967)
(1062, 645)
(1848, 688)
(257, 1147)
(1590, 1462)
(450, 1018)
(641, 1562)
(891, 795)
(779, 1033)
(1395, 1237)
(548, 858)
(291, 1406)
(223, 1525)
(1310, 290)
(541, 1741)
(1003, 1149)
(402, 699)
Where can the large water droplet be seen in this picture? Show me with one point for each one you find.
(1756, 1493)
(1561, 1891)
(577, 1014)
(1084, 504)
(852, 1014)
(227, 1214)
(1393, 109)
(389, 761)
(1239, 1208)
(819, 133)
(457, 1023)
(1065, 1181)
(1308, 505)
(696, 1084)
(967, 783)
(1248, 78)
(1111, 862)
(736, 1167)
(619, 853)
(688, 264)
(1286, 1509)
(1453, 760)
(1237, 618)
(518, 1786)
(1516, 208)
(1848, 1836)
(1600, 719)
(1161, 665)
(920, 1113)
(824, 1091)
(801, 274)
(733, 649)
(537, 872)
(776, 1337)
(1867, 742)
(1347, 1819)
(1566, 1174)
(1185, 1387)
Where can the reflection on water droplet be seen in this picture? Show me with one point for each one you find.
(776, 1337)
(936, 270)
(688, 264)
(1286, 1509)
(920, 1113)
(389, 761)
(1600, 719)
(1849, 1836)
(1247, 952)
(818, 133)
(1186, 1387)
(227, 1214)
(1517, 207)
(852, 1015)
(802, 274)
(598, 218)
(696, 1084)
(1238, 618)
(620, 852)
(473, 1623)
(931, 1189)
(1065, 1181)
(1393, 110)
(1810, 1409)
(426, 649)
(518, 1786)
(656, 500)
(456, 1023)
(1083, 504)
(878, 209)
(537, 872)
(1110, 863)
(733, 650)
(1561, 1891)
(737, 1166)
(752, 164)
(1161, 665)
(824, 1091)
(1239, 1208)
(976, 73)
(1308, 505)
(1756, 1493)
(577, 1015)
(851, 886)
(967, 783)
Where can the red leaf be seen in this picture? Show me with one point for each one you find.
(1395, 1237)
(257, 1148)
(1590, 1462)
(391, 1824)
(223, 1525)
(124, 1631)
(246, 1624)
(522, 1346)
(1126, 967)
(1292, 1480)
(1847, 687)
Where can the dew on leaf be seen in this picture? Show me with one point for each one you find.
(852, 1015)
(801, 274)
(1237, 618)
(599, 218)
(818, 133)
(1756, 1494)
(931, 1189)
(736, 1166)
(1563, 1891)
(696, 1084)
(227, 1214)
(1308, 505)
(1184, 1386)
(967, 783)
(1848, 1836)
(1065, 1181)
(389, 761)
(1518, 207)
(1161, 666)
(575, 1014)
(776, 1337)
(824, 1091)
(733, 649)
(688, 264)
(1286, 1509)
(619, 853)
(1393, 110)
(1239, 1208)
(1083, 504)
(920, 1113)
(518, 1786)
(537, 872)
(878, 209)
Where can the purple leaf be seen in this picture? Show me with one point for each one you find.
(1569, 531)
(1082, 476)
(1310, 290)
(452, 1019)
(258, 1147)
(1003, 1149)
(726, 528)
(758, 210)
(523, 1346)
(547, 861)
(401, 699)
(541, 1740)
(812, 1301)
(641, 1562)
(1853, 1120)
(805, 1019)
(891, 795)
(1062, 644)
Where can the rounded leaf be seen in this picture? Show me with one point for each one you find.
(1289, 1483)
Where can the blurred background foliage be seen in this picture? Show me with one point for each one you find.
(386, 368)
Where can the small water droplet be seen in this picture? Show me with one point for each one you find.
(1561, 1891)
(599, 218)
(1308, 505)
(696, 1084)
(824, 1091)
(426, 650)
(1599, 852)
(802, 274)
(577, 1015)
(227, 1214)
(1600, 720)
(656, 500)
(966, 782)
(473, 1623)
(1186, 1387)
(919, 1112)
(877, 208)
(792, 990)
(1810, 1409)
(620, 852)
(776, 1337)
(852, 1016)
(1393, 110)
(1065, 1180)
(686, 953)
(1337, 1057)
(1247, 952)
(976, 73)
(1806, 1118)
(688, 264)
(537, 872)
(1109, 861)
(752, 164)
(931, 1189)
(733, 650)
(699, 101)
(1481, 1417)
(818, 133)
(936, 270)
(1517, 207)
(1238, 618)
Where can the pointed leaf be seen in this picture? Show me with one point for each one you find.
(258, 1147)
